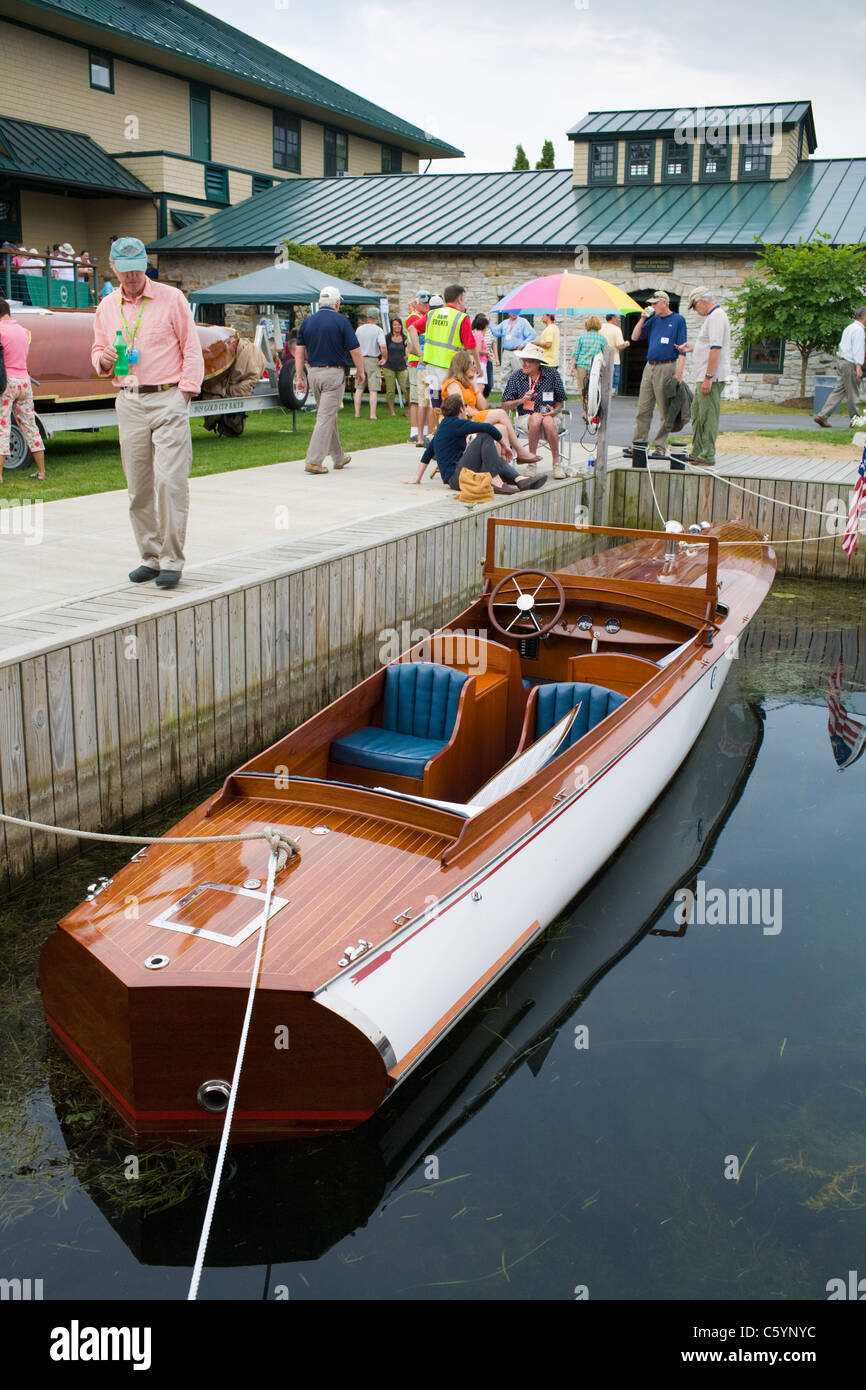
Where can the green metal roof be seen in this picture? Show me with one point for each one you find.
(665, 121)
(184, 31)
(537, 210)
(287, 283)
(43, 154)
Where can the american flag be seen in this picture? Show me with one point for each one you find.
(847, 735)
(858, 501)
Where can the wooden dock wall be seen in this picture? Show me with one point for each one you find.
(688, 498)
(98, 732)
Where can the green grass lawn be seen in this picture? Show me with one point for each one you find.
(80, 463)
(831, 436)
(761, 408)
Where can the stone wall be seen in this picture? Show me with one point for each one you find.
(488, 276)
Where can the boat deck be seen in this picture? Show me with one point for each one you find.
(363, 862)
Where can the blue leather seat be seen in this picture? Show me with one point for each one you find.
(418, 716)
(553, 702)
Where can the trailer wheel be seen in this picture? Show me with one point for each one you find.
(19, 451)
(289, 397)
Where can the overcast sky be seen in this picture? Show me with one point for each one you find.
(485, 76)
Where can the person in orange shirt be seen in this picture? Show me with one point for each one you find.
(166, 369)
(462, 381)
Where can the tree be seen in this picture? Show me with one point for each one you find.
(520, 160)
(803, 294)
(547, 156)
(352, 266)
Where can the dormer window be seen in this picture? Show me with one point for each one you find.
(677, 162)
(715, 163)
(602, 161)
(639, 161)
(755, 161)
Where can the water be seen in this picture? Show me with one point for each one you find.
(577, 1130)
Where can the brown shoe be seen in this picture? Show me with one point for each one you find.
(819, 420)
(702, 463)
(343, 462)
(315, 468)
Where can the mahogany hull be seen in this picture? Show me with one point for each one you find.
(400, 910)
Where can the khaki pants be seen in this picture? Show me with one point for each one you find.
(327, 385)
(847, 388)
(652, 396)
(706, 410)
(156, 451)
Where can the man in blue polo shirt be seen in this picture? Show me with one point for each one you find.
(326, 340)
(664, 330)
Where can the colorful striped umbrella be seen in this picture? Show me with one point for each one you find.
(567, 293)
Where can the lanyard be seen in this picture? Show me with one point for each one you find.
(125, 326)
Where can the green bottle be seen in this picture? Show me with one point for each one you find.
(121, 366)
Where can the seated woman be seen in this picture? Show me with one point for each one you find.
(452, 454)
(462, 382)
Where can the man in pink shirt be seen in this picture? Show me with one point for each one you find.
(166, 369)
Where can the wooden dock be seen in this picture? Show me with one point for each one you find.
(122, 702)
(800, 503)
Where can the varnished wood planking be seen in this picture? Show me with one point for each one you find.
(37, 748)
(13, 775)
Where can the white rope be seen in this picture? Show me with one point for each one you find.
(662, 518)
(230, 1109)
(776, 502)
(280, 844)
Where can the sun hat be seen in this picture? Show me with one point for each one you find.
(128, 253)
(532, 353)
(702, 292)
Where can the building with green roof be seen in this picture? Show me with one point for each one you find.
(658, 199)
(168, 115)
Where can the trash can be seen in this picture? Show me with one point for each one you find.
(823, 388)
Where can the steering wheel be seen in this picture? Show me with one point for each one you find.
(509, 593)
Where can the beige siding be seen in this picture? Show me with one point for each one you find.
(111, 217)
(47, 218)
(240, 186)
(581, 163)
(158, 104)
(410, 162)
(166, 175)
(312, 150)
(365, 156)
(782, 165)
(242, 133)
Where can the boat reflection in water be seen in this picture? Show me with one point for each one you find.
(292, 1202)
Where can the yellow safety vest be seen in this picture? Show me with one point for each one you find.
(442, 336)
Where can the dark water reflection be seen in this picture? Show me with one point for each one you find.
(582, 1119)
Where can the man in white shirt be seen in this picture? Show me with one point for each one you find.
(849, 365)
(711, 367)
(374, 353)
(611, 329)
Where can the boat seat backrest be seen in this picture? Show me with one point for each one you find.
(554, 701)
(421, 699)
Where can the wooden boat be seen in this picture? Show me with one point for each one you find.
(59, 357)
(290, 1206)
(446, 810)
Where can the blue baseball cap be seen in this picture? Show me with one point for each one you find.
(128, 253)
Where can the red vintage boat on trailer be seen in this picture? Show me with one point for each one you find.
(446, 810)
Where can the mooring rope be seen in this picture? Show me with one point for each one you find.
(230, 1109)
(281, 846)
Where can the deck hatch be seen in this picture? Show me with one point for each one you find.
(216, 905)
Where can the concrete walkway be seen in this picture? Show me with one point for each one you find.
(81, 545)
